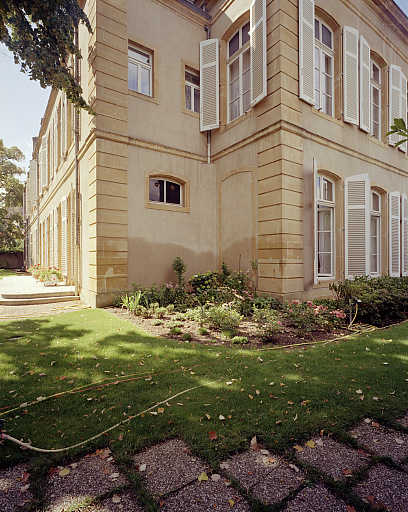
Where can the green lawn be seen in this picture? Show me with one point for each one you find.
(4, 272)
(282, 396)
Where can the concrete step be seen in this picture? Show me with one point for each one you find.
(54, 292)
(25, 301)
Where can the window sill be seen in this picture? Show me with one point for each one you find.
(225, 127)
(190, 113)
(143, 96)
(167, 207)
(326, 116)
(377, 141)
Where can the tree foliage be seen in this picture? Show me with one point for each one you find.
(40, 34)
(11, 198)
(400, 129)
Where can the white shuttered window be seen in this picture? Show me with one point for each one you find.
(258, 51)
(64, 237)
(365, 76)
(209, 85)
(324, 241)
(404, 234)
(324, 68)
(394, 234)
(351, 75)
(306, 51)
(394, 99)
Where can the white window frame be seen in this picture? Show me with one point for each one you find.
(374, 85)
(329, 205)
(140, 65)
(375, 215)
(238, 56)
(193, 87)
(323, 50)
(167, 180)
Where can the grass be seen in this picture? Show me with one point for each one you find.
(4, 272)
(103, 370)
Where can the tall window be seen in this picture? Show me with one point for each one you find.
(324, 58)
(140, 71)
(239, 73)
(192, 91)
(375, 232)
(325, 226)
(375, 100)
(165, 191)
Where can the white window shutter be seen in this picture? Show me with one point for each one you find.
(40, 173)
(365, 107)
(350, 75)
(404, 234)
(52, 238)
(33, 182)
(55, 161)
(56, 237)
(209, 85)
(64, 237)
(63, 126)
(44, 169)
(51, 148)
(258, 51)
(73, 233)
(394, 235)
(394, 90)
(306, 51)
(403, 114)
(315, 259)
(357, 233)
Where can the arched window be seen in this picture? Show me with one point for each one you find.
(325, 226)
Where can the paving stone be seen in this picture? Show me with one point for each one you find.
(169, 466)
(205, 496)
(268, 477)
(385, 485)
(13, 492)
(316, 499)
(119, 502)
(335, 459)
(91, 476)
(381, 440)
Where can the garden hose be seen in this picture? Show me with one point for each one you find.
(4, 436)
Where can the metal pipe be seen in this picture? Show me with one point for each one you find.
(77, 214)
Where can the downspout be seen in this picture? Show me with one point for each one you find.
(76, 136)
(37, 241)
(208, 30)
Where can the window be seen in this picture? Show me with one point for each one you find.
(165, 191)
(239, 73)
(375, 100)
(324, 88)
(192, 91)
(325, 226)
(375, 232)
(140, 71)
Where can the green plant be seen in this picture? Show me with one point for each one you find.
(202, 331)
(203, 282)
(179, 268)
(173, 323)
(45, 273)
(239, 340)
(268, 323)
(187, 336)
(175, 331)
(308, 316)
(157, 322)
(224, 318)
(160, 312)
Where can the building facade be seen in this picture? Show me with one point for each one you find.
(233, 130)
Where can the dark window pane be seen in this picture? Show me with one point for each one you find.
(196, 100)
(156, 190)
(193, 79)
(317, 31)
(233, 44)
(326, 36)
(188, 97)
(172, 192)
(245, 34)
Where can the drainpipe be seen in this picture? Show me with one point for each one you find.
(37, 241)
(76, 135)
(208, 30)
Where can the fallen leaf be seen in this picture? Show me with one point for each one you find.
(254, 444)
(257, 392)
(64, 472)
(375, 424)
(359, 391)
(221, 417)
(224, 465)
(25, 488)
(399, 441)
(24, 477)
(350, 509)
(120, 437)
(114, 475)
(231, 502)
(116, 499)
(212, 435)
(265, 452)
(142, 467)
(311, 444)
(251, 397)
(160, 410)
(53, 471)
(208, 416)
(298, 448)
(347, 472)
(106, 471)
(319, 442)
(295, 468)
(215, 477)
(203, 477)
(154, 413)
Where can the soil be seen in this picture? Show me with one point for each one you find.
(287, 337)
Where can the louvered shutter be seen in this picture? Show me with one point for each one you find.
(44, 168)
(63, 126)
(34, 251)
(404, 234)
(403, 113)
(306, 51)
(56, 141)
(73, 234)
(315, 259)
(351, 75)
(64, 237)
(394, 99)
(40, 173)
(209, 85)
(52, 262)
(365, 106)
(33, 182)
(56, 239)
(258, 51)
(51, 149)
(357, 223)
(394, 234)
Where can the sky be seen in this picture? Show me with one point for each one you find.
(23, 103)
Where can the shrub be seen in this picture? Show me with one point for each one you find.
(179, 268)
(308, 316)
(224, 318)
(175, 331)
(203, 282)
(202, 331)
(267, 322)
(187, 336)
(157, 322)
(239, 340)
(173, 323)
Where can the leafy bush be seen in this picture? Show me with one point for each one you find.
(223, 318)
(239, 340)
(267, 322)
(202, 331)
(203, 282)
(175, 331)
(186, 336)
(266, 302)
(379, 300)
(307, 316)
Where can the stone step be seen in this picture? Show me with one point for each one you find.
(43, 299)
(36, 295)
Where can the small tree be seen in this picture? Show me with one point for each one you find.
(400, 129)
(11, 199)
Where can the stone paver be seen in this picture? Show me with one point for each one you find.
(387, 486)
(169, 466)
(14, 490)
(332, 458)
(91, 476)
(381, 440)
(205, 496)
(119, 502)
(316, 499)
(267, 477)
